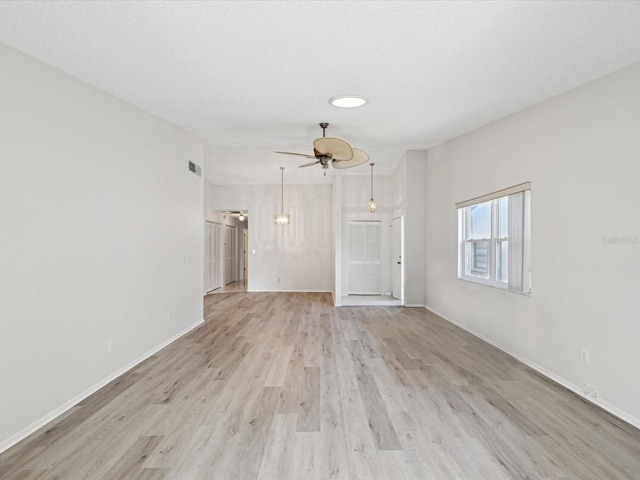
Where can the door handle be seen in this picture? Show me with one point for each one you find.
(399, 263)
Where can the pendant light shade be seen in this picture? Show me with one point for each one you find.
(371, 206)
(281, 218)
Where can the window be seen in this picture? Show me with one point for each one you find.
(493, 237)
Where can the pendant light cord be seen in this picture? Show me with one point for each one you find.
(372, 164)
(282, 189)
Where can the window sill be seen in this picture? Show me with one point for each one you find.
(494, 285)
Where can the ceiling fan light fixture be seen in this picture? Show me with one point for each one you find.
(348, 101)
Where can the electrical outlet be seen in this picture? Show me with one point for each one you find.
(584, 356)
(589, 392)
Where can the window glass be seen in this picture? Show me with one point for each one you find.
(480, 221)
(478, 259)
(494, 238)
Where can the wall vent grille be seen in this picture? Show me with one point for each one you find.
(195, 168)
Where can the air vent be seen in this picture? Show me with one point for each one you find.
(195, 168)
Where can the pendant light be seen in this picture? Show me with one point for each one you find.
(281, 218)
(241, 217)
(371, 206)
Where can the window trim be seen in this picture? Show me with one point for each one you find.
(518, 245)
(491, 250)
(521, 187)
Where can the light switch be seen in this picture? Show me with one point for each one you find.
(253, 252)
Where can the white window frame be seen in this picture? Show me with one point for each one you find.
(492, 242)
(518, 238)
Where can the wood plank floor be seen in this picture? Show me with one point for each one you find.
(280, 386)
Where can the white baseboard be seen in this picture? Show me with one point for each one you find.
(416, 305)
(25, 432)
(612, 409)
(289, 291)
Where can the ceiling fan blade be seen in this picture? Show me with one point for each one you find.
(359, 157)
(298, 154)
(337, 148)
(309, 164)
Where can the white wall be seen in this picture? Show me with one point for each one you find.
(296, 257)
(414, 228)
(399, 188)
(580, 151)
(336, 270)
(101, 239)
(408, 199)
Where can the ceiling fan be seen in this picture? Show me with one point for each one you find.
(239, 214)
(334, 151)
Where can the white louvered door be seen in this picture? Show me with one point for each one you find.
(364, 258)
(212, 257)
(230, 255)
(217, 256)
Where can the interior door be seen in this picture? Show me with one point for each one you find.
(234, 254)
(356, 258)
(372, 262)
(397, 262)
(364, 258)
(208, 281)
(217, 255)
(245, 249)
(226, 247)
(212, 257)
(230, 255)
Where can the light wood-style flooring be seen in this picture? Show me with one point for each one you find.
(233, 287)
(284, 386)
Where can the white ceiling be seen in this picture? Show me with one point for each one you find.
(254, 77)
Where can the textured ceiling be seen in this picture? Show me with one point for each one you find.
(254, 77)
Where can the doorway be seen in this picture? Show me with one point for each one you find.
(230, 249)
(364, 258)
(245, 251)
(397, 257)
(212, 256)
(226, 262)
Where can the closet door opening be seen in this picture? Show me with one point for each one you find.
(364, 258)
(212, 256)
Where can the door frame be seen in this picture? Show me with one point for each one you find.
(397, 222)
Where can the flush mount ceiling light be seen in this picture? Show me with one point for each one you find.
(348, 101)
